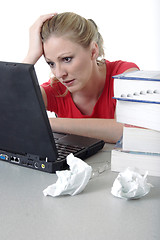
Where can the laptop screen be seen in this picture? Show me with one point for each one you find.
(24, 125)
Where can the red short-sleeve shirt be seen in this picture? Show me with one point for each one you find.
(63, 105)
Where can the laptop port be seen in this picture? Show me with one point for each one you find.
(24, 163)
(30, 163)
(15, 159)
(3, 157)
(36, 165)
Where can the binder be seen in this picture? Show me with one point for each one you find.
(139, 113)
(141, 86)
(138, 98)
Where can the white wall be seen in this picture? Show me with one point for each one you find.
(131, 29)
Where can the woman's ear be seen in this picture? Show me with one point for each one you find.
(94, 50)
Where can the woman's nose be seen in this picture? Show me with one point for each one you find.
(60, 72)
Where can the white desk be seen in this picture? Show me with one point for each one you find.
(26, 214)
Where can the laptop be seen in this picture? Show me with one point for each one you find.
(26, 138)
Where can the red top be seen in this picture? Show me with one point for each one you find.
(64, 106)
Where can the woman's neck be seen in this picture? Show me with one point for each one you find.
(86, 99)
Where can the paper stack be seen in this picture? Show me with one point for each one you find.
(138, 108)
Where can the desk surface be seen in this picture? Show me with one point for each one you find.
(25, 213)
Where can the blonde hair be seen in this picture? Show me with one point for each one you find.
(76, 28)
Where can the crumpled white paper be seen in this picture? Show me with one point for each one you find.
(130, 185)
(71, 181)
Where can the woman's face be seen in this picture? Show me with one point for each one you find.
(70, 63)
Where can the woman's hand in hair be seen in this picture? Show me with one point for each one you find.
(35, 50)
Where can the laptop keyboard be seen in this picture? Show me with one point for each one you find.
(65, 150)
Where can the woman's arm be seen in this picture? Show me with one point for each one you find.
(35, 50)
(106, 129)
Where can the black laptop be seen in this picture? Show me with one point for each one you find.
(26, 138)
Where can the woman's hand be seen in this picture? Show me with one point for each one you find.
(35, 43)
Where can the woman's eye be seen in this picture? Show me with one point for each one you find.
(51, 64)
(67, 59)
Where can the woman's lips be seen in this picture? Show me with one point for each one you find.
(68, 82)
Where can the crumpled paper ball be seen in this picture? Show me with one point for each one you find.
(130, 185)
(71, 181)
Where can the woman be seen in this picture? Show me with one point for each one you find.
(81, 91)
